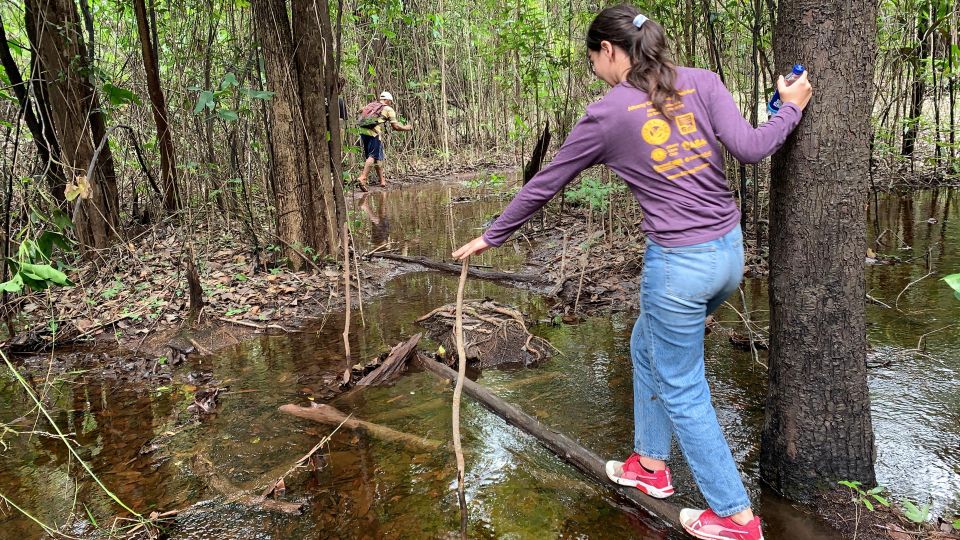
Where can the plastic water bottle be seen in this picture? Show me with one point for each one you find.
(773, 106)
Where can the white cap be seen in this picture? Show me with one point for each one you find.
(386, 95)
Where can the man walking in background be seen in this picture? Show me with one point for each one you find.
(372, 119)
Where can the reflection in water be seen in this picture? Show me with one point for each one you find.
(516, 489)
(379, 222)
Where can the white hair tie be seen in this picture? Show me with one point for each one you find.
(639, 20)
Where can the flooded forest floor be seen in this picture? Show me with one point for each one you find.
(174, 414)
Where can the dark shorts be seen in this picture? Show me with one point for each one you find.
(372, 147)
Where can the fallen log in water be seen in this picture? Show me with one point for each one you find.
(561, 445)
(531, 279)
(394, 364)
(325, 414)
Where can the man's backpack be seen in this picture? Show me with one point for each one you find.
(369, 115)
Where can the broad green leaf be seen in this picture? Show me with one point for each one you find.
(14, 285)
(205, 100)
(258, 94)
(120, 96)
(62, 220)
(34, 283)
(881, 500)
(49, 239)
(868, 504)
(227, 115)
(875, 490)
(914, 514)
(953, 280)
(44, 272)
(229, 80)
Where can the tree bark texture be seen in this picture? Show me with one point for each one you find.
(48, 151)
(304, 188)
(817, 426)
(54, 30)
(313, 58)
(168, 169)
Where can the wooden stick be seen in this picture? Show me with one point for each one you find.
(325, 414)
(457, 393)
(346, 293)
(561, 445)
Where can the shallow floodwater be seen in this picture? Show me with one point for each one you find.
(515, 488)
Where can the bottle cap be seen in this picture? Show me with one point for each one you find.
(798, 69)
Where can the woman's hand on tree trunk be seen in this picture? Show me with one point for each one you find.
(474, 247)
(798, 92)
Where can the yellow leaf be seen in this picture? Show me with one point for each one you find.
(84, 185)
(871, 254)
(79, 187)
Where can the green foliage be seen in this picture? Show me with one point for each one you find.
(494, 181)
(859, 496)
(33, 264)
(217, 101)
(914, 514)
(119, 96)
(953, 280)
(594, 193)
(112, 290)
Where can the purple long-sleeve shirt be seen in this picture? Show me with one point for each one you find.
(674, 167)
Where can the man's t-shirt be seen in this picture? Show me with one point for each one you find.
(387, 116)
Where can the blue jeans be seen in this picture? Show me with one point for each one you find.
(680, 287)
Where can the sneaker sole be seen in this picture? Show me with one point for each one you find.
(654, 492)
(705, 536)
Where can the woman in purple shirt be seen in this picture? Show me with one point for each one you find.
(661, 127)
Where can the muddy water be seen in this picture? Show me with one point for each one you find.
(516, 489)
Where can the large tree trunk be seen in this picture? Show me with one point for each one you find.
(168, 169)
(48, 151)
(817, 426)
(292, 189)
(54, 30)
(317, 74)
(309, 203)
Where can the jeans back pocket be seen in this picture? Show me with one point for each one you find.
(691, 272)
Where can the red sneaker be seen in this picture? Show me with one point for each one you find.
(709, 526)
(630, 473)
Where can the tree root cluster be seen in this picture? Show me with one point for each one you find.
(494, 334)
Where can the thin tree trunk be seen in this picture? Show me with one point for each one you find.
(918, 87)
(168, 170)
(47, 149)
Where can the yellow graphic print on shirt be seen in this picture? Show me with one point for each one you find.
(686, 124)
(655, 131)
(680, 159)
